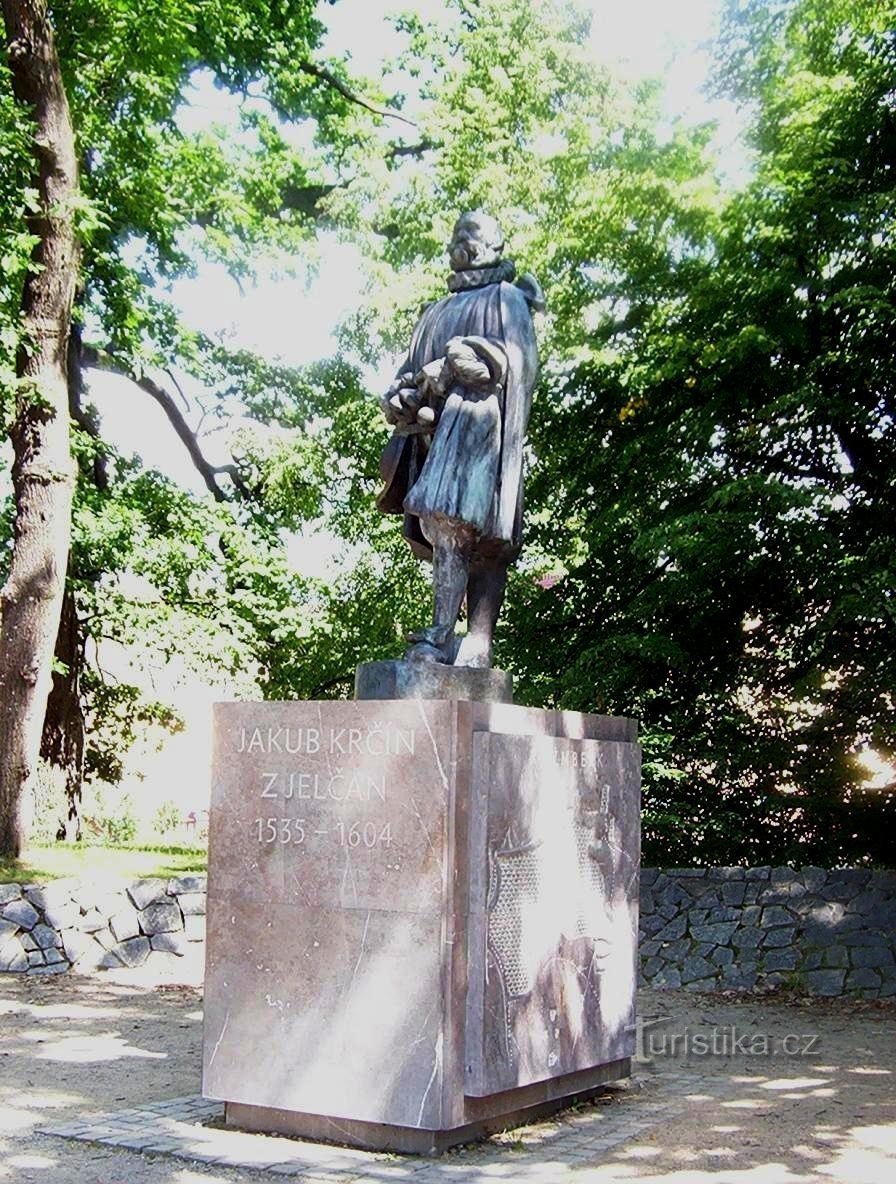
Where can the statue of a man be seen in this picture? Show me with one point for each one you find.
(454, 465)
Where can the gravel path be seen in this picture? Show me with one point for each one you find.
(721, 1097)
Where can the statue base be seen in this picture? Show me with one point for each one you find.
(422, 916)
(432, 680)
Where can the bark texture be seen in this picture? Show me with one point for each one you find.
(64, 732)
(43, 475)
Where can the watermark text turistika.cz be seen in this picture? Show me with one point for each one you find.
(725, 1040)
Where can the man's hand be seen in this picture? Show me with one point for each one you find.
(404, 408)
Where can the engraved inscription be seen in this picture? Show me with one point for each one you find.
(376, 740)
(334, 785)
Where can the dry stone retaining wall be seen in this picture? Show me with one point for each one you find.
(707, 929)
(827, 932)
(48, 929)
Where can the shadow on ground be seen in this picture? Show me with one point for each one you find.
(774, 1091)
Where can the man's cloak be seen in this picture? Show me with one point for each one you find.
(499, 311)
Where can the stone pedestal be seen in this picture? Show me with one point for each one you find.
(431, 680)
(422, 916)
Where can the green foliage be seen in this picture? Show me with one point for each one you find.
(725, 470)
(167, 817)
(712, 486)
(115, 821)
(712, 472)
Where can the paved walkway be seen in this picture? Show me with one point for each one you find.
(98, 1084)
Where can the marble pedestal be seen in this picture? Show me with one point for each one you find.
(422, 916)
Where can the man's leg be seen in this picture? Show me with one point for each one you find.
(451, 546)
(485, 595)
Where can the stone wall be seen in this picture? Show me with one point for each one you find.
(826, 932)
(706, 929)
(48, 929)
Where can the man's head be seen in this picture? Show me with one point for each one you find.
(477, 241)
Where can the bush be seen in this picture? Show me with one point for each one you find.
(117, 822)
(167, 818)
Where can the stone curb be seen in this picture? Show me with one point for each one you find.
(175, 1128)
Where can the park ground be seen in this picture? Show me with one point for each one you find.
(779, 1090)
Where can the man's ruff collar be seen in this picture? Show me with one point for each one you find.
(479, 277)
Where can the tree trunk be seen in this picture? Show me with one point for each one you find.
(62, 741)
(43, 477)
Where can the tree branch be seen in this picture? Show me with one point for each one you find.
(99, 359)
(325, 75)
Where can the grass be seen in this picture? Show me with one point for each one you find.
(86, 861)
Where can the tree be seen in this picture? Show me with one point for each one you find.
(729, 575)
(152, 199)
(42, 468)
(709, 541)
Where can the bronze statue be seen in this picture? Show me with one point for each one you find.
(454, 465)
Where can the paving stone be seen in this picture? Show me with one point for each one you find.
(125, 924)
(880, 956)
(863, 937)
(163, 917)
(757, 873)
(45, 896)
(723, 956)
(781, 960)
(92, 921)
(146, 892)
(8, 929)
(746, 938)
(835, 956)
(62, 916)
(28, 942)
(9, 892)
(192, 903)
(110, 903)
(75, 944)
(813, 877)
(718, 934)
(134, 951)
(194, 928)
(675, 929)
(36, 958)
(862, 976)
(696, 967)
(733, 893)
(22, 913)
(775, 938)
(106, 938)
(825, 982)
(53, 968)
(743, 980)
(46, 937)
(52, 956)
(197, 882)
(169, 943)
(776, 915)
(669, 977)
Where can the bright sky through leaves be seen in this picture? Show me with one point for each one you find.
(280, 317)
